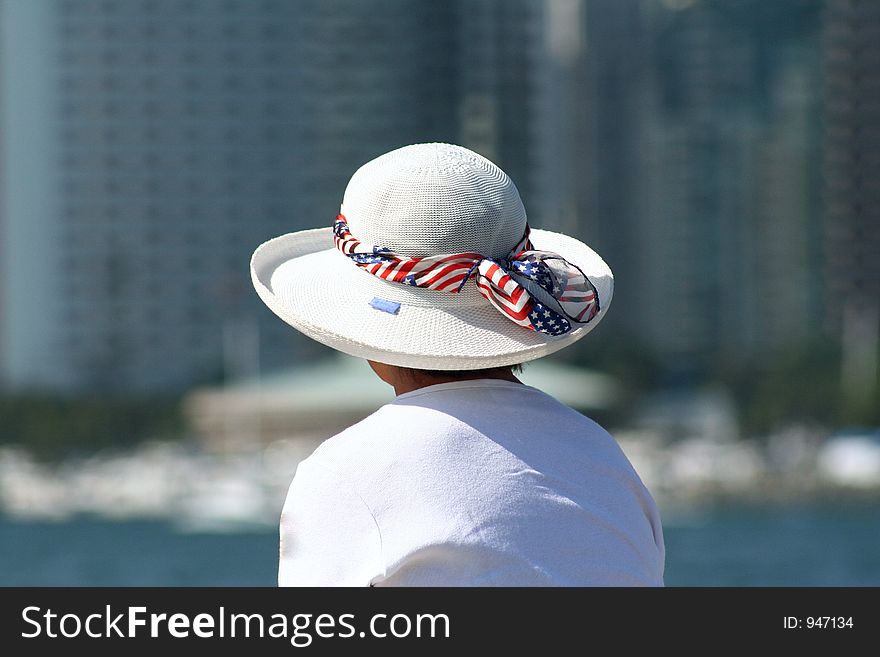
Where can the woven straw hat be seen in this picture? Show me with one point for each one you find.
(420, 201)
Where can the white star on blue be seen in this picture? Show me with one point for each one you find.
(367, 258)
(537, 271)
(525, 268)
(555, 325)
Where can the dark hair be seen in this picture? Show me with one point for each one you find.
(471, 374)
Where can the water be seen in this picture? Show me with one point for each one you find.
(807, 545)
(106, 553)
(829, 544)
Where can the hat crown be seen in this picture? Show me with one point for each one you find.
(431, 199)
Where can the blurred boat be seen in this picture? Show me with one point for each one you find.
(851, 458)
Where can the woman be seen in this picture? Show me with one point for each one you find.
(469, 477)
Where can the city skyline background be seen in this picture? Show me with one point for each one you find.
(721, 155)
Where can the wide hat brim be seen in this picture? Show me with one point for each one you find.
(317, 290)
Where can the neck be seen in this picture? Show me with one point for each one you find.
(425, 380)
(405, 380)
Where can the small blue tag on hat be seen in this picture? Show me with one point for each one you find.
(390, 307)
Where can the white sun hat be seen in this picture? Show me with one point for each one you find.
(431, 265)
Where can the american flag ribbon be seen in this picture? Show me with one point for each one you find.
(575, 295)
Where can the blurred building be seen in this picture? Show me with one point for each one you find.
(851, 104)
(618, 67)
(146, 147)
(498, 54)
(682, 140)
(553, 91)
(728, 232)
(149, 146)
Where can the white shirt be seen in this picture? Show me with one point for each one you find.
(472, 483)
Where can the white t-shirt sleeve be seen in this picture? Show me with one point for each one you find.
(328, 534)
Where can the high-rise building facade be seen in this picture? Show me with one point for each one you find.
(728, 228)
(851, 187)
(498, 58)
(147, 146)
(150, 145)
(681, 140)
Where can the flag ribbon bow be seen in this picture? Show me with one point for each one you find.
(575, 295)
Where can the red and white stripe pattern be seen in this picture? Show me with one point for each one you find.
(566, 283)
